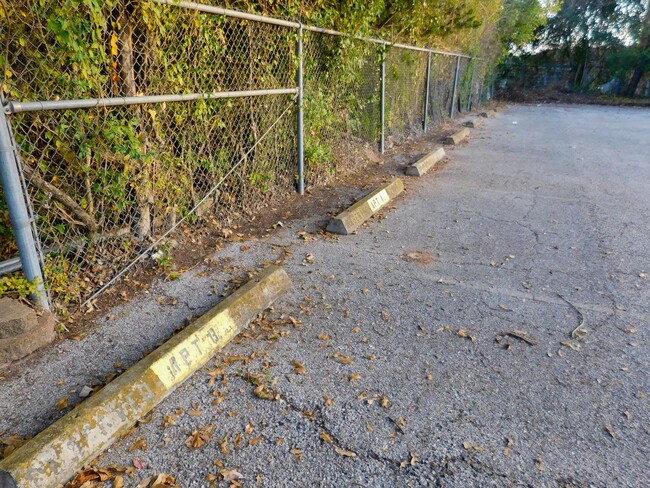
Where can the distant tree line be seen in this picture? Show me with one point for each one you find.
(604, 43)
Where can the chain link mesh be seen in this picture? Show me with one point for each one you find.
(341, 103)
(440, 88)
(8, 247)
(108, 182)
(405, 92)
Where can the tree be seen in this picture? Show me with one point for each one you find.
(519, 21)
(583, 26)
(643, 47)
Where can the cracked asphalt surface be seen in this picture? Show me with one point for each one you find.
(456, 309)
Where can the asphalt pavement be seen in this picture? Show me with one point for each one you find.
(489, 329)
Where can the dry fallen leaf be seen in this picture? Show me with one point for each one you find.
(299, 368)
(472, 447)
(384, 402)
(345, 452)
(306, 237)
(223, 445)
(326, 437)
(609, 430)
(169, 420)
(344, 360)
(324, 337)
(255, 440)
(139, 444)
(231, 474)
(61, 403)
(262, 391)
(12, 443)
(575, 347)
(296, 453)
(354, 377)
(466, 334)
(162, 480)
(414, 459)
(295, 322)
(199, 437)
(328, 401)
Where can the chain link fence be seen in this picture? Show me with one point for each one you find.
(131, 118)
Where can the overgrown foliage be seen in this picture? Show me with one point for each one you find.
(107, 182)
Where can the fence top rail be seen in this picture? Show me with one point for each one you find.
(296, 25)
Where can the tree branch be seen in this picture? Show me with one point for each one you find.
(63, 198)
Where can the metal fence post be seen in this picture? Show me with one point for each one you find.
(382, 110)
(300, 128)
(455, 87)
(18, 212)
(470, 95)
(426, 94)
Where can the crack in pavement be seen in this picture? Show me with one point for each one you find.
(548, 299)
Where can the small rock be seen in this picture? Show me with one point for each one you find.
(85, 392)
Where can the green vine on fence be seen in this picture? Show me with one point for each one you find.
(106, 182)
